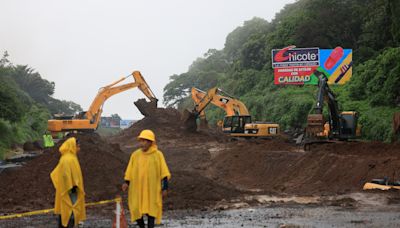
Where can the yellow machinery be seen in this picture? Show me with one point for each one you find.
(89, 120)
(237, 121)
(341, 125)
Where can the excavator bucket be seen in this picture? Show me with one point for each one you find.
(189, 120)
(145, 107)
(315, 124)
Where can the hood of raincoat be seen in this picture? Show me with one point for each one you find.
(69, 146)
(152, 149)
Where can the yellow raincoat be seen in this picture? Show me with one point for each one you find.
(144, 172)
(65, 176)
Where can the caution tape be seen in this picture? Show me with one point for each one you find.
(116, 200)
(46, 211)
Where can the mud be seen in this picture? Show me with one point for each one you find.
(30, 188)
(211, 172)
(273, 214)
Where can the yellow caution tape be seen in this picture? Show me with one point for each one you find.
(26, 214)
(116, 200)
(45, 211)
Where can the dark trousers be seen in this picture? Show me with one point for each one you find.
(150, 222)
(71, 222)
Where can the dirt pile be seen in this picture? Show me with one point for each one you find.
(335, 168)
(207, 167)
(103, 164)
(343, 167)
(276, 166)
(30, 187)
(187, 156)
(168, 126)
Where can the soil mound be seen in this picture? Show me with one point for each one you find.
(30, 187)
(187, 156)
(206, 166)
(334, 168)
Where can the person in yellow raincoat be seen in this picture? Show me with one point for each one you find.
(147, 178)
(68, 182)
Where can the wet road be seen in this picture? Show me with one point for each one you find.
(296, 215)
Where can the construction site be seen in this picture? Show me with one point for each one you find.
(289, 119)
(211, 174)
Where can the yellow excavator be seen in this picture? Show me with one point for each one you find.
(89, 120)
(341, 125)
(237, 121)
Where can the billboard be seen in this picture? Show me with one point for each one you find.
(295, 66)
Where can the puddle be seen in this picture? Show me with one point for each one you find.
(295, 199)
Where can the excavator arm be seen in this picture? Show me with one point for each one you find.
(237, 121)
(202, 99)
(342, 125)
(230, 105)
(89, 120)
(316, 121)
(108, 91)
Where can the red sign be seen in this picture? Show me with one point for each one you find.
(293, 75)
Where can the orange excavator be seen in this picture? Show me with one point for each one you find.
(237, 121)
(89, 120)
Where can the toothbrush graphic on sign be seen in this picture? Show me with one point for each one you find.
(343, 70)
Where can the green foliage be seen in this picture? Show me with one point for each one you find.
(56, 106)
(376, 123)
(6, 136)
(31, 126)
(13, 101)
(203, 73)
(243, 67)
(378, 80)
(33, 84)
(245, 45)
(25, 104)
(107, 131)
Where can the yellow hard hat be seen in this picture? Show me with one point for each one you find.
(147, 134)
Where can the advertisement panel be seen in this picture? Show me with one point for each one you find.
(295, 66)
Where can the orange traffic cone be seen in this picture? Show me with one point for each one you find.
(119, 219)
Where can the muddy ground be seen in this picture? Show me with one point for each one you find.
(368, 210)
(211, 173)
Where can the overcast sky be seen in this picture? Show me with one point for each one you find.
(83, 45)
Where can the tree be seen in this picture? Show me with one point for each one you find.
(32, 83)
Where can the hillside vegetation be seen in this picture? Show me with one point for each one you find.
(26, 103)
(243, 67)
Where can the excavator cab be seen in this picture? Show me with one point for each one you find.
(348, 126)
(235, 124)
